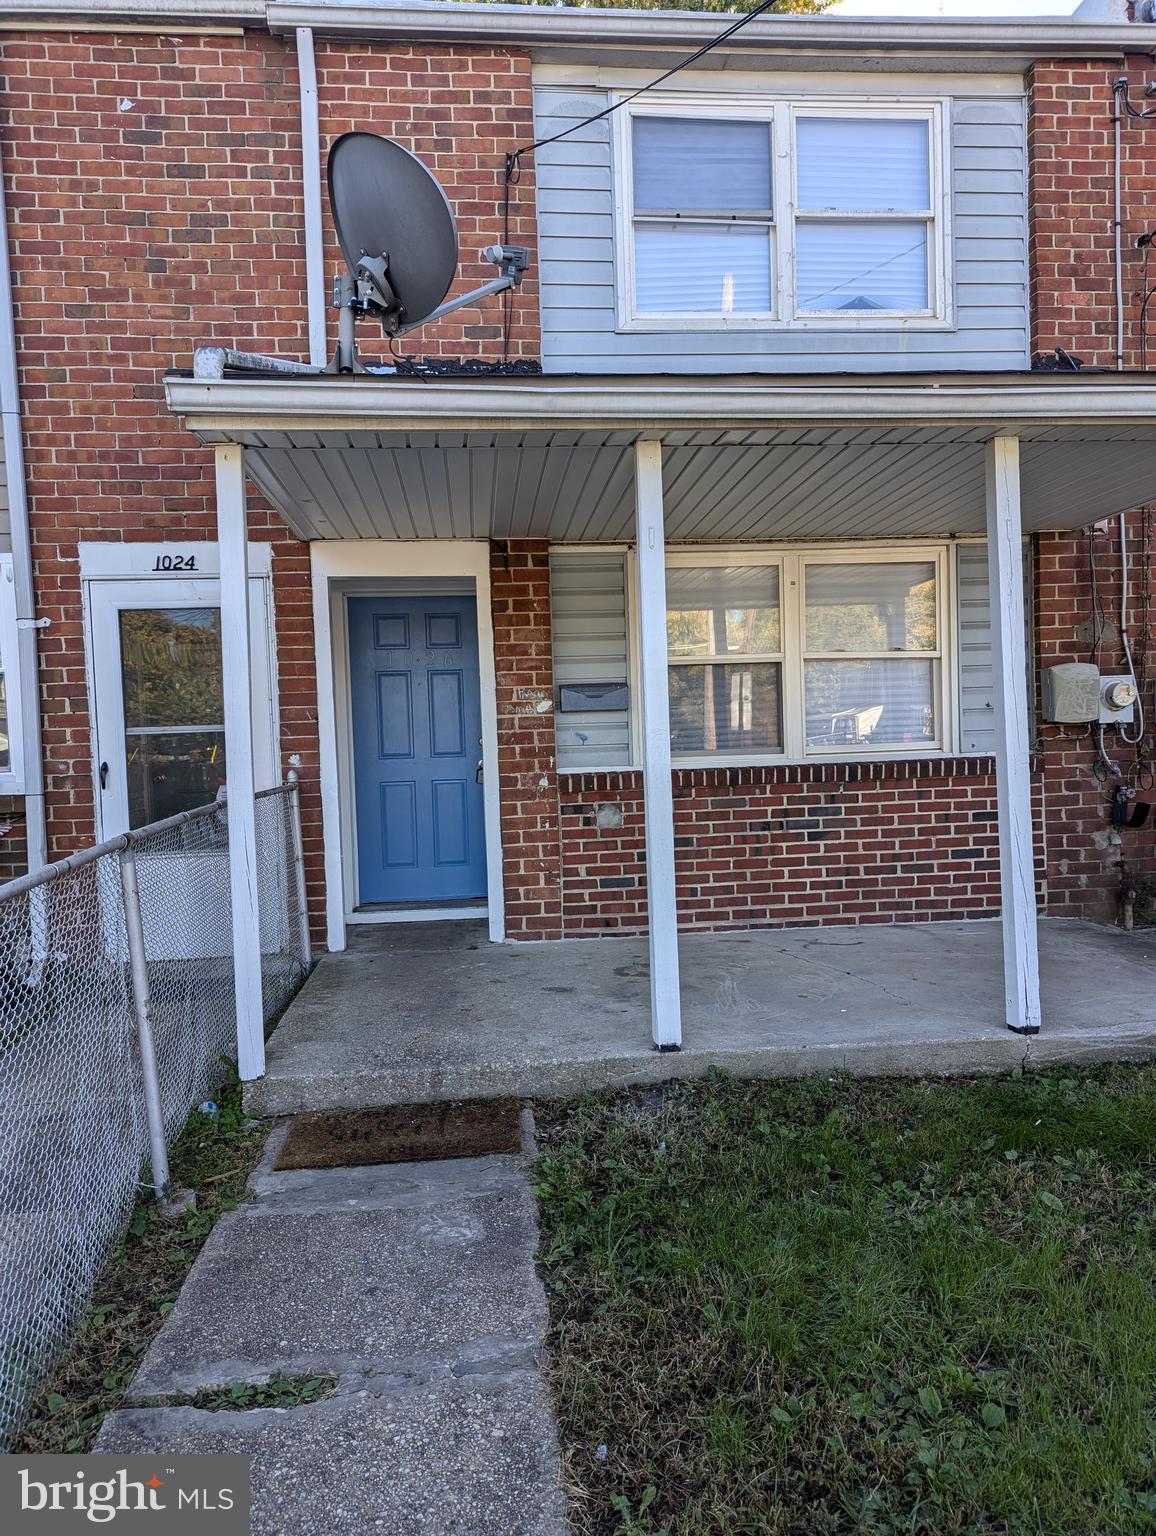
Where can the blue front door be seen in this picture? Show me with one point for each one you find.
(417, 726)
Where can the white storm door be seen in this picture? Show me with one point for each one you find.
(158, 691)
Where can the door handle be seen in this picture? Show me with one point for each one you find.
(104, 775)
(479, 773)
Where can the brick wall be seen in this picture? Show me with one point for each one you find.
(788, 846)
(1090, 861)
(520, 593)
(1070, 139)
(1070, 202)
(460, 110)
(154, 194)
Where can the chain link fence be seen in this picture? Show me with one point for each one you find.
(117, 1017)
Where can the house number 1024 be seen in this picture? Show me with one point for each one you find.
(175, 563)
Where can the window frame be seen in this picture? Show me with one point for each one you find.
(781, 114)
(791, 560)
(12, 777)
(940, 694)
(768, 117)
(772, 561)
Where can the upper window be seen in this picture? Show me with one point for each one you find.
(789, 216)
(703, 216)
(862, 214)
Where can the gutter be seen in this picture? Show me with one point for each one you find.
(134, 12)
(550, 26)
(219, 408)
(594, 30)
(27, 659)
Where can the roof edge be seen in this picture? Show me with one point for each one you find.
(654, 403)
(562, 26)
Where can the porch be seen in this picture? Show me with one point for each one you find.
(395, 482)
(432, 1011)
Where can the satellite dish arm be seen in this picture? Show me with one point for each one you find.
(496, 285)
(510, 260)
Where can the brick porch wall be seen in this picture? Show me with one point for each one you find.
(1090, 861)
(520, 595)
(829, 843)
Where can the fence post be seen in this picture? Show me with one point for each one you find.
(134, 929)
(299, 865)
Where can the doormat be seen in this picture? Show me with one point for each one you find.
(401, 1133)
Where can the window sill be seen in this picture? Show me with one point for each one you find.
(720, 325)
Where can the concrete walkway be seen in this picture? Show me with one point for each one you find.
(433, 1011)
(414, 1284)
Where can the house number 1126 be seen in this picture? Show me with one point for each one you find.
(175, 563)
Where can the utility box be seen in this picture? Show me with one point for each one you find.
(1072, 692)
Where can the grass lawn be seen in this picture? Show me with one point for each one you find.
(839, 1306)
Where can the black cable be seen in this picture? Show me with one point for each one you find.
(596, 117)
(1124, 101)
(1099, 617)
(512, 178)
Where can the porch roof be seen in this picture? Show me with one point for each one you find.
(392, 457)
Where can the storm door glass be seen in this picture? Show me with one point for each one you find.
(173, 709)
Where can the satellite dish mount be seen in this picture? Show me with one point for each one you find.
(397, 234)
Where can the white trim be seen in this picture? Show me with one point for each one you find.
(341, 565)
(894, 86)
(311, 197)
(791, 558)
(115, 576)
(1021, 966)
(781, 116)
(112, 560)
(221, 408)
(236, 662)
(12, 777)
(657, 786)
(421, 915)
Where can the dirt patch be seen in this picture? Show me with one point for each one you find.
(401, 1133)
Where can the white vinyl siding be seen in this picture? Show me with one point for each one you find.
(974, 646)
(986, 202)
(591, 645)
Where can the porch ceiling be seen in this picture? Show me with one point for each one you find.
(334, 473)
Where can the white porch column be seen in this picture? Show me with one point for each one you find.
(662, 920)
(1021, 969)
(236, 662)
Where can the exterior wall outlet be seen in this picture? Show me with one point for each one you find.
(1071, 692)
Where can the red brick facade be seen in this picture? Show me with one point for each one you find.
(769, 847)
(1070, 209)
(520, 595)
(154, 192)
(1071, 267)
(154, 199)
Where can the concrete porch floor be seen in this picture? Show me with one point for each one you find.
(431, 1011)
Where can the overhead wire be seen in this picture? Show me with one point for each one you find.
(515, 156)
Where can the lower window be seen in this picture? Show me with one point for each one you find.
(798, 655)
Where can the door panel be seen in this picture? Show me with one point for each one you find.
(417, 729)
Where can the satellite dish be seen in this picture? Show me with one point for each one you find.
(400, 243)
(395, 226)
